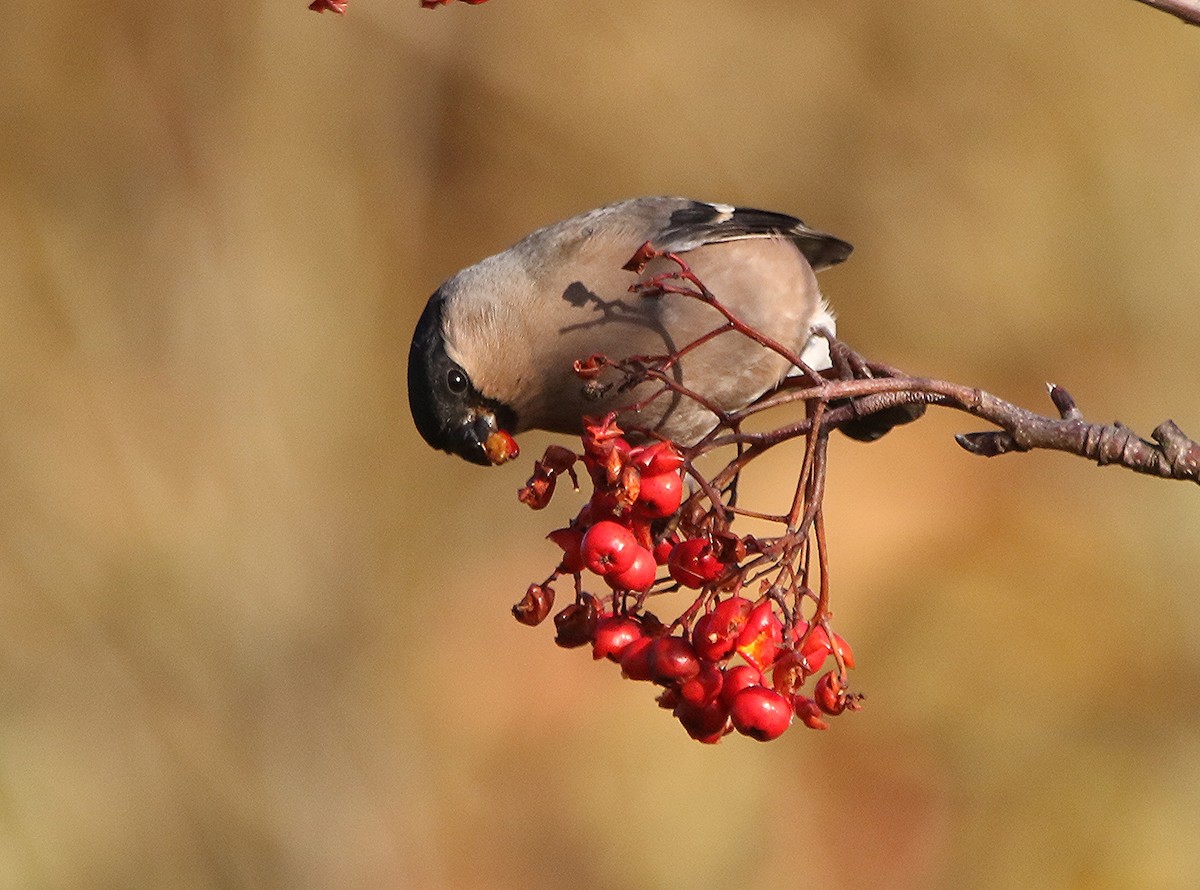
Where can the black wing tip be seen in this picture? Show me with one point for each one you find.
(821, 249)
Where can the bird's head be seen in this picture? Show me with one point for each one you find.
(451, 414)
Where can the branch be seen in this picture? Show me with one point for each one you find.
(1185, 10)
(855, 390)
(762, 599)
(1171, 454)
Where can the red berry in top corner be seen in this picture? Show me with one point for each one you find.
(760, 713)
(608, 547)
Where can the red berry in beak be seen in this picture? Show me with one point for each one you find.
(500, 448)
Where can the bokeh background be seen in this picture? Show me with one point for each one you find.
(254, 634)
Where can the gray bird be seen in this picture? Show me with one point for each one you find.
(494, 348)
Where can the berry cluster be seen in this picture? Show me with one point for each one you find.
(728, 661)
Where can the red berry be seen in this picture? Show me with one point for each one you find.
(613, 636)
(672, 659)
(705, 723)
(692, 563)
(737, 678)
(715, 633)
(640, 574)
(656, 458)
(808, 712)
(817, 648)
(704, 687)
(844, 650)
(760, 638)
(636, 661)
(830, 695)
(760, 713)
(608, 547)
(501, 447)
(662, 550)
(659, 495)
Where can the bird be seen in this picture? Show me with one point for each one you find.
(494, 348)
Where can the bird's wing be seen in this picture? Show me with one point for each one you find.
(692, 224)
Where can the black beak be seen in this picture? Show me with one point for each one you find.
(472, 434)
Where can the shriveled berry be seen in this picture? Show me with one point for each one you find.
(608, 547)
(535, 605)
(613, 636)
(788, 673)
(576, 624)
(808, 712)
(760, 713)
(602, 434)
(829, 694)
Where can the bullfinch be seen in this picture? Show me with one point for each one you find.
(494, 348)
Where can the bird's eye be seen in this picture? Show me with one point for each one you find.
(456, 380)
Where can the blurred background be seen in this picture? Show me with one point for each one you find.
(254, 634)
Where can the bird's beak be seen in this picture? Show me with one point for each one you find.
(483, 442)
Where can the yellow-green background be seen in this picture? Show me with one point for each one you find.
(254, 634)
